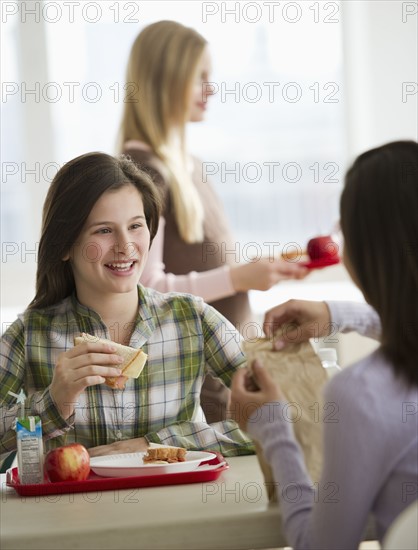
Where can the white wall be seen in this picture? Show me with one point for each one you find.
(380, 43)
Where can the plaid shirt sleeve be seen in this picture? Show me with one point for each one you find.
(12, 378)
(223, 356)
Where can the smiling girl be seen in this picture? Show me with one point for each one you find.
(100, 217)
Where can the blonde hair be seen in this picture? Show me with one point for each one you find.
(160, 73)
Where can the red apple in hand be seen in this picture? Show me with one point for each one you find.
(322, 248)
(68, 463)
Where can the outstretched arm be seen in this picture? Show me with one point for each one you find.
(218, 283)
(309, 319)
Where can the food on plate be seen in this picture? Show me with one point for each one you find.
(68, 463)
(134, 360)
(165, 455)
(322, 248)
(320, 252)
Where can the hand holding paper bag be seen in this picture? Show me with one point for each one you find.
(303, 319)
(298, 378)
(251, 389)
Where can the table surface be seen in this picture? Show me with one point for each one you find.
(231, 512)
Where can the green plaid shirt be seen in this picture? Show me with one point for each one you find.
(184, 339)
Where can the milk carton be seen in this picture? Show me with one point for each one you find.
(30, 453)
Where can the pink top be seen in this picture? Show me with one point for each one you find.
(210, 285)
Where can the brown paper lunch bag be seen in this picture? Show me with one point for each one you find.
(300, 376)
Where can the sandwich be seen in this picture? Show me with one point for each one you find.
(164, 455)
(134, 360)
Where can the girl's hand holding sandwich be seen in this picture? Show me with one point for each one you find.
(250, 391)
(78, 368)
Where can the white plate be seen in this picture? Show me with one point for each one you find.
(131, 465)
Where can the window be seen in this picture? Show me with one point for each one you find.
(273, 141)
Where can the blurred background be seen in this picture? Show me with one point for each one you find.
(302, 88)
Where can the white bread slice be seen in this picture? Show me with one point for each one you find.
(134, 359)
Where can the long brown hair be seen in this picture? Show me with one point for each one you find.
(379, 221)
(73, 192)
(160, 74)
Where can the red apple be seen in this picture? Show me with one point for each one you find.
(322, 248)
(68, 463)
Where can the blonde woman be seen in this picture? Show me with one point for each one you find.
(167, 69)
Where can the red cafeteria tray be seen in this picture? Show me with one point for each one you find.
(98, 483)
